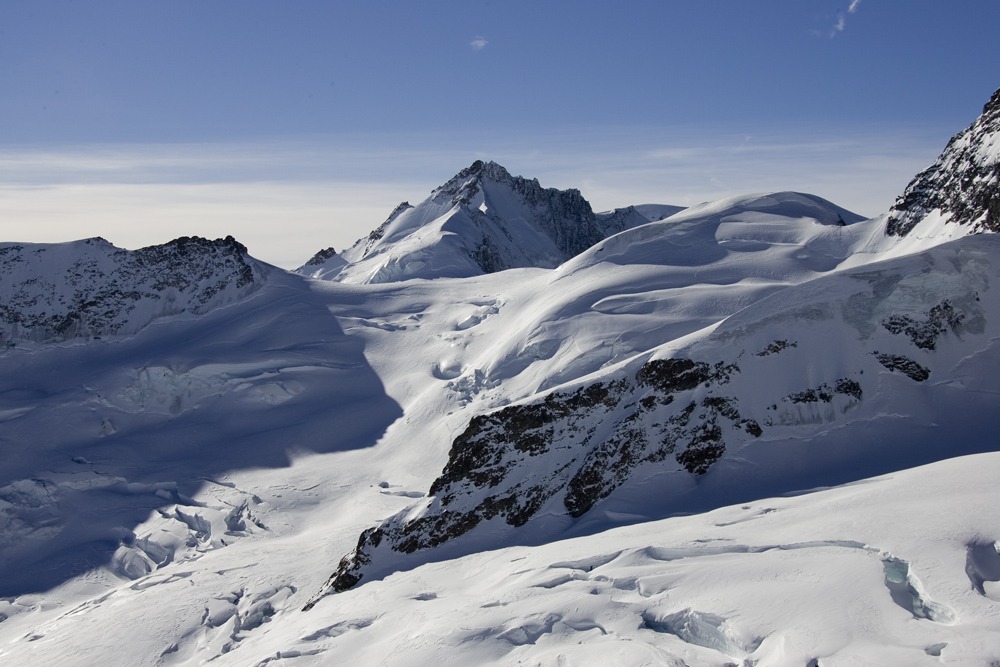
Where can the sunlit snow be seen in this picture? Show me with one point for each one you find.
(757, 431)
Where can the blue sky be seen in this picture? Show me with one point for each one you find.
(296, 125)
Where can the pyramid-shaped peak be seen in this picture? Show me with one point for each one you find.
(464, 185)
(467, 183)
(480, 170)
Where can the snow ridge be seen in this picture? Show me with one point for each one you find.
(90, 288)
(961, 185)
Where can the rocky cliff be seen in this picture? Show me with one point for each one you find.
(963, 184)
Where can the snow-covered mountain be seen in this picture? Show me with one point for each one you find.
(754, 404)
(483, 220)
(652, 441)
(87, 289)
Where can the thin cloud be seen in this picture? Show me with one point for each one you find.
(841, 23)
(478, 44)
(838, 26)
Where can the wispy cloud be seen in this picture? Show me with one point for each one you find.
(479, 43)
(841, 23)
(838, 26)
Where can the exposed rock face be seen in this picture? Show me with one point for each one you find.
(924, 333)
(963, 184)
(577, 446)
(320, 258)
(905, 365)
(86, 289)
(621, 219)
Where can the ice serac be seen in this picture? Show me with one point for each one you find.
(789, 393)
(90, 288)
(963, 186)
(483, 220)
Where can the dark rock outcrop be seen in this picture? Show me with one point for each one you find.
(320, 258)
(924, 334)
(579, 446)
(963, 184)
(377, 233)
(905, 365)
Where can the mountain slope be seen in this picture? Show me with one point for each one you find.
(887, 572)
(898, 570)
(99, 435)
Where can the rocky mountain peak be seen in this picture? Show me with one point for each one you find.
(563, 215)
(991, 110)
(320, 258)
(92, 289)
(464, 185)
(963, 184)
(482, 220)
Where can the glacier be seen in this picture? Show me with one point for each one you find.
(504, 428)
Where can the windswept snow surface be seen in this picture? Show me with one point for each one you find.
(882, 572)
